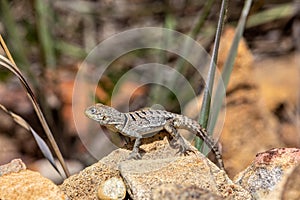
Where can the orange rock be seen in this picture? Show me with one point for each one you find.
(26, 185)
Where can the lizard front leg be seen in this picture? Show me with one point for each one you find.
(135, 151)
(179, 141)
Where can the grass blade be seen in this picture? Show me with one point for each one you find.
(204, 14)
(12, 30)
(14, 69)
(40, 142)
(274, 13)
(205, 109)
(228, 66)
(43, 14)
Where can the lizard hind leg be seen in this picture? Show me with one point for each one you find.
(135, 151)
(178, 141)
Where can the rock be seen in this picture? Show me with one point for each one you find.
(15, 165)
(291, 188)
(113, 188)
(24, 184)
(181, 192)
(114, 159)
(85, 184)
(160, 165)
(266, 176)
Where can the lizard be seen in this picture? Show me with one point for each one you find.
(146, 123)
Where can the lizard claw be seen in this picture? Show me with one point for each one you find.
(188, 151)
(182, 147)
(134, 155)
(185, 150)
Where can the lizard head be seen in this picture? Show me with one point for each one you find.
(103, 114)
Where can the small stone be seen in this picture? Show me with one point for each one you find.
(85, 184)
(113, 188)
(15, 165)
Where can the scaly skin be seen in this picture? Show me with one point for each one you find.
(148, 122)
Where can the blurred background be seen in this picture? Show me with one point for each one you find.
(50, 39)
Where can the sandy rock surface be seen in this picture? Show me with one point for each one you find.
(160, 165)
(85, 184)
(19, 183)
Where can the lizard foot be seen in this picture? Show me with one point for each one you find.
(174, 144)
(185, 149)
(134, 155)
(186, 152)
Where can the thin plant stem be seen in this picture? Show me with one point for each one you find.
(37, 109)
(205, 109)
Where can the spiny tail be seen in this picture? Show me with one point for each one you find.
(202, 133)
(195, 127)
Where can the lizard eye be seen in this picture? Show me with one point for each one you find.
(93, 110)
